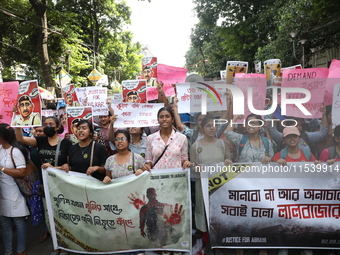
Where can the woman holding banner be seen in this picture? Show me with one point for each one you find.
(166, 148)
(13, 208)
(87, 156)
(124, 162)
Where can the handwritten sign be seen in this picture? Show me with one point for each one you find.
(312, 79)
(8, 99)
(258, 84)
(136, 115)
(94, 97)
(190, 96)
(47, 113)
(333, 78)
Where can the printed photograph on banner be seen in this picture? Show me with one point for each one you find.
(235, 67)
(74, 115)
(28, 107)
(310, 82)
(149, 212)
(136, 115)
(272, 69)
(258, 66)
(134, 91)
(70, 96)
(281, 209)
(191, 96)
(8, 99)
(94, 97)
(149, 71)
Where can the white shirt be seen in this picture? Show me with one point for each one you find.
(12, 203)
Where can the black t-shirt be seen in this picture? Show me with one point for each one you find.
(79, 163)
(46, 152)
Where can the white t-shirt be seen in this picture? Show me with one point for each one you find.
(12, 203)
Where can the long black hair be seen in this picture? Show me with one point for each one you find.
(7, 133)
(58, 124)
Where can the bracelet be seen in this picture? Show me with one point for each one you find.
(162, 94)
(2, 170)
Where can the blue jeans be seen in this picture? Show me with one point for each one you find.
(7, 233)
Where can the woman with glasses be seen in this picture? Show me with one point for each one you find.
(251, 146)
(87, 156)
(124, 162)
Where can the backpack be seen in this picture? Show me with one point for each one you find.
(283, 153)
(312, 148)
(332, 154)
(244, 140)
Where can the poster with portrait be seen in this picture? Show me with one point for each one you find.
(134, 91)
(149, 71)
(235, 67)
(223, 74)
(28, 110)
(272, 69)
(8, 99)
(70, 96)
(74, 115)
(132, 213)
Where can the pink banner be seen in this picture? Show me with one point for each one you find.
(312, 79)
(8, 99)
(333, 78)
(258, 84)
(168, 75)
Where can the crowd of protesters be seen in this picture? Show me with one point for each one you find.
(106, 152)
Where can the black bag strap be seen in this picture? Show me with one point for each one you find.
(133, 162)
(161, 155)
(57, 152)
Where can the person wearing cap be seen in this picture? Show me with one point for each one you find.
(147, 75)
(292, 153)
(27, 117)
(132, 97)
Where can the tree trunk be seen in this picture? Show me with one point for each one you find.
(40, 9)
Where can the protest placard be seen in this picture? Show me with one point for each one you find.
(70, 96)
(312, 79)
(136, 115)
(8, 99)
(148, 212)
(235, 67)
(190, 96)
(333, 78)
(94, 97)
(134, 91)
(336, 106)
(28, 111)
(149, 71)
(272, 69)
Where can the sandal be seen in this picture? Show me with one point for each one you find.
(44, 236)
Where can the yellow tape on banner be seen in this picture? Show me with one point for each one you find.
(227, 174)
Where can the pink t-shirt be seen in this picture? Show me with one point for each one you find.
(324, 156)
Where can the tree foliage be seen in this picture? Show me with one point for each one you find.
(260, 30)
(93, 30)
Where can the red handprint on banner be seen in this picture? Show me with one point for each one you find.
(136, 201)
(175, 216)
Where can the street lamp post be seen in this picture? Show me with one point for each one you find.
(313, 57)
(293, 34)
(303, 41)
(62, 60)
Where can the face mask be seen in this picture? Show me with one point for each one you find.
(49, 131)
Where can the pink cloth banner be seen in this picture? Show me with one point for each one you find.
(333, 78)
(312, 79)
(258, 84)
(8, 99)
(168, 75)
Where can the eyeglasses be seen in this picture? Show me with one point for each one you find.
(117, 139)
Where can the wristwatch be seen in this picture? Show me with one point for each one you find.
(2, 170)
